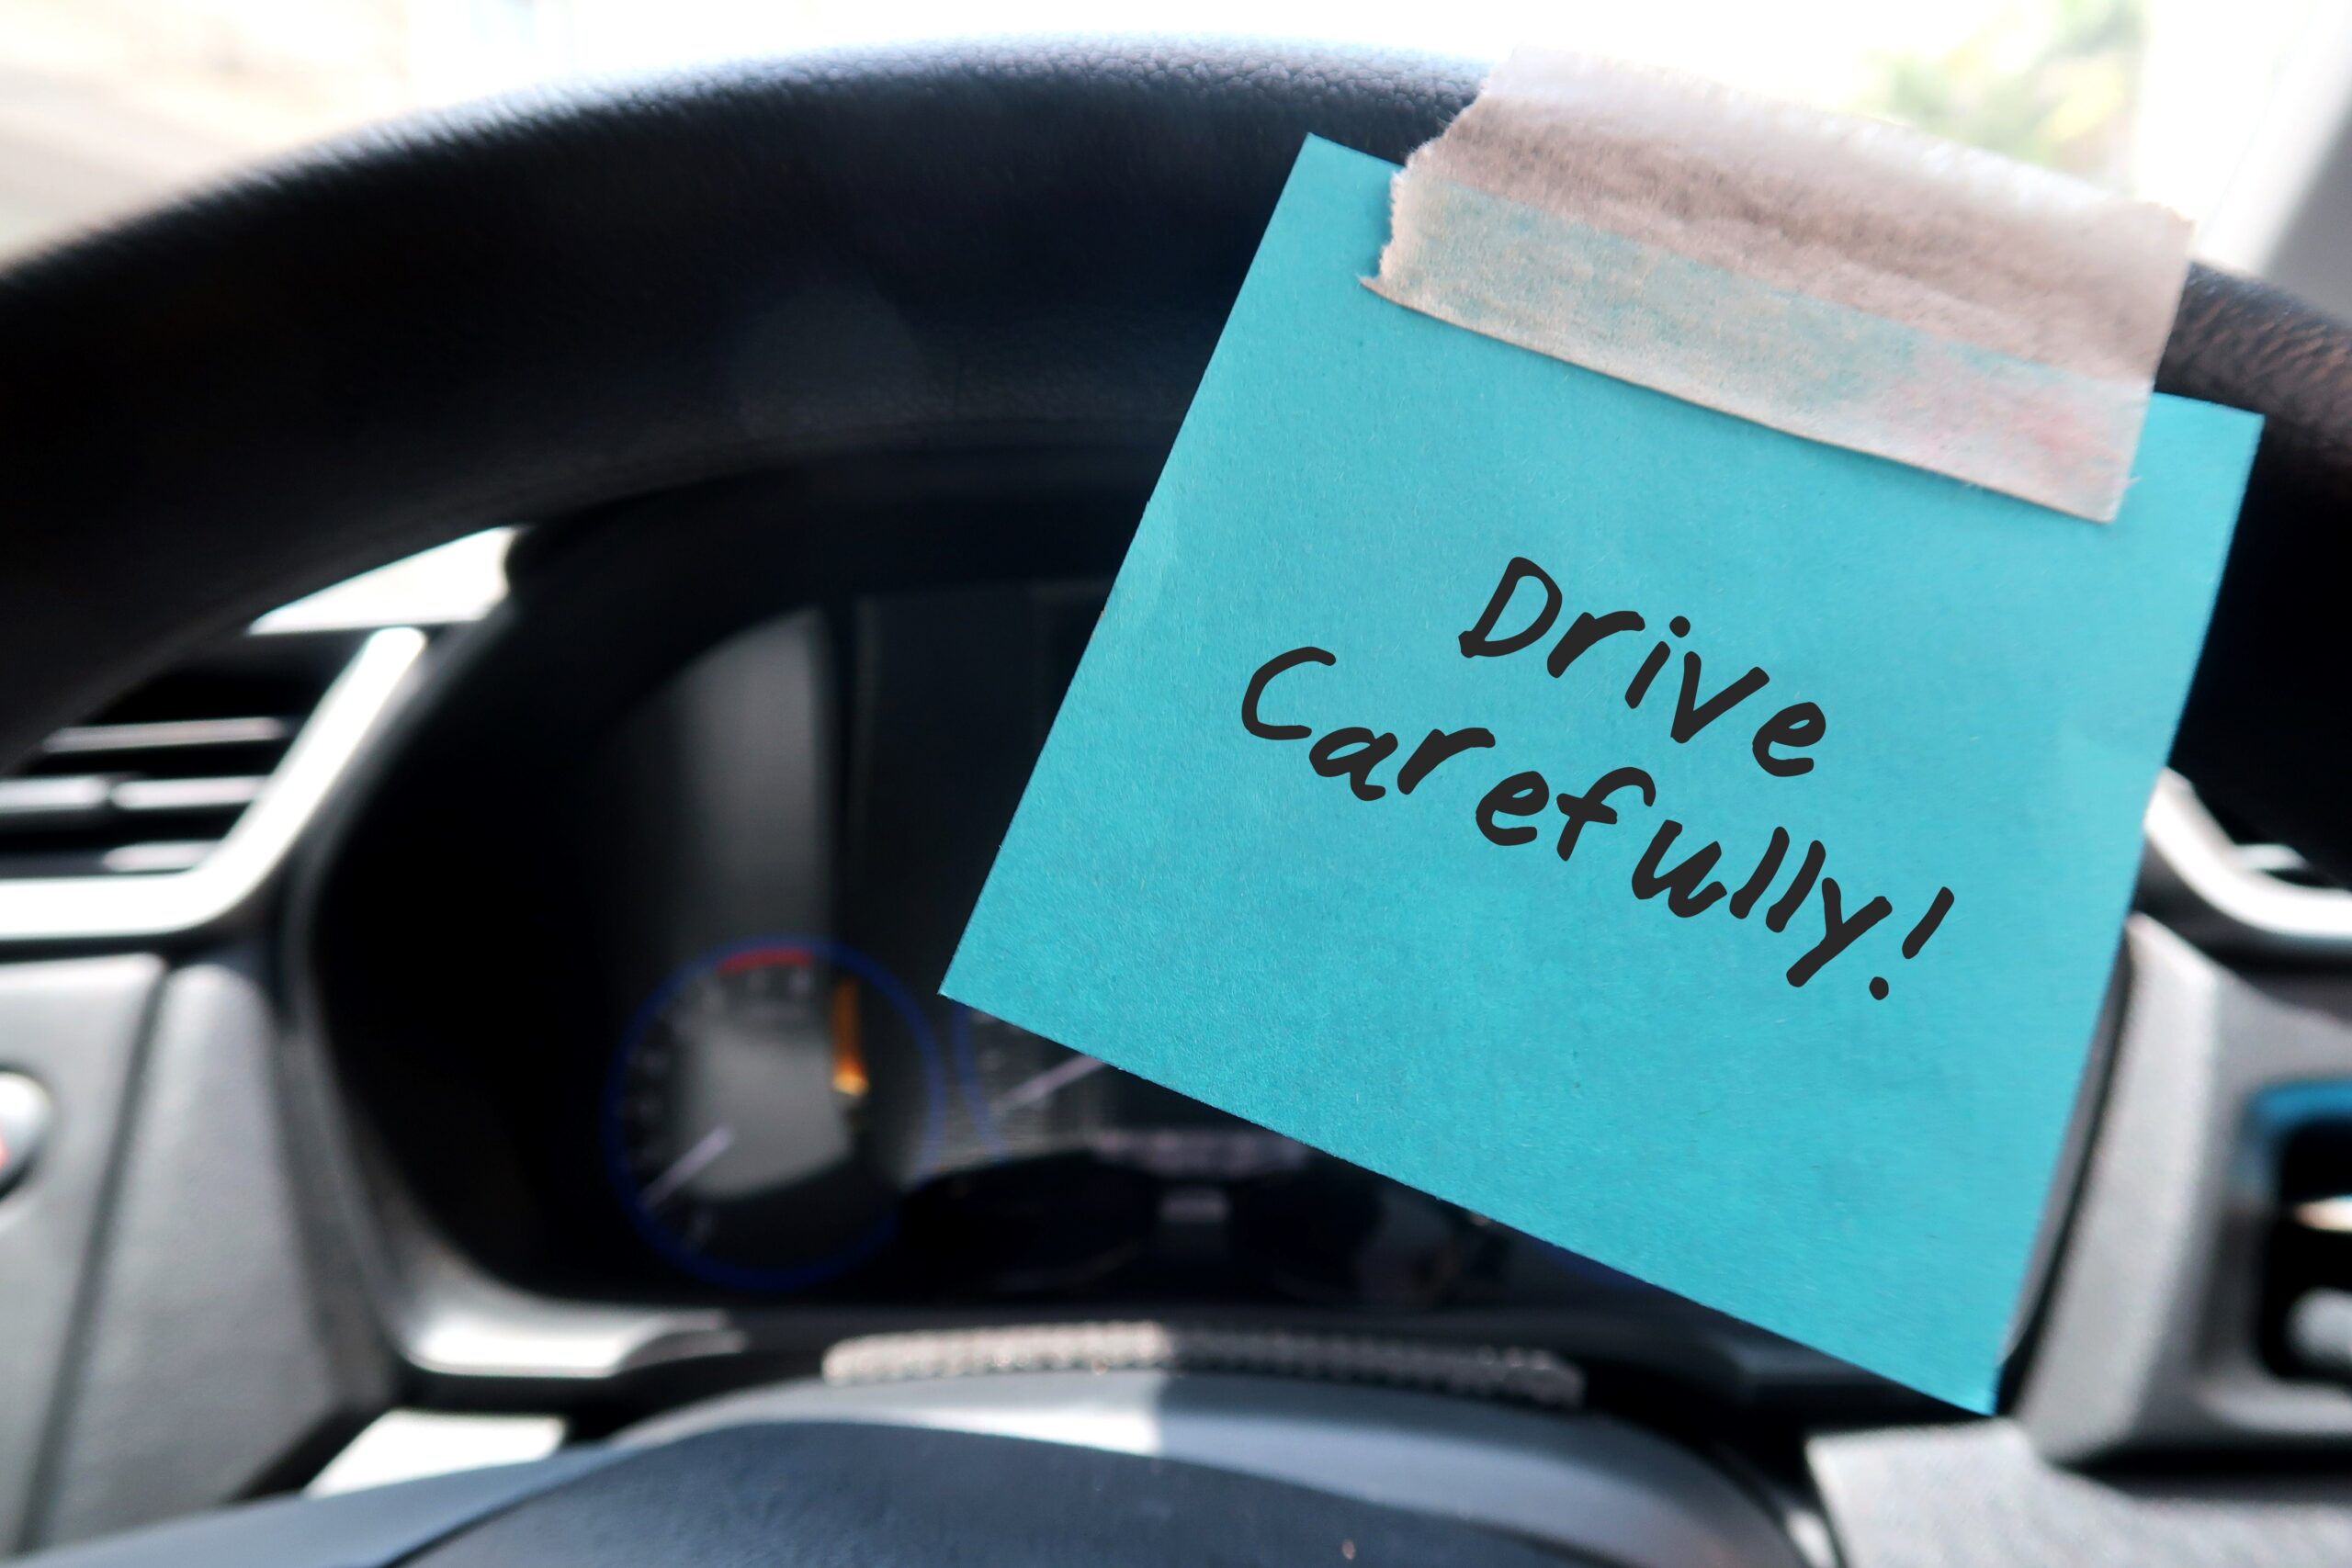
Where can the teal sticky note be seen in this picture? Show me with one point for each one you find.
(1594, 1049)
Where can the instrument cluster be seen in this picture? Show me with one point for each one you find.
(631, 973)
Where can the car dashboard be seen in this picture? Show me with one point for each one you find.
(552, 1037)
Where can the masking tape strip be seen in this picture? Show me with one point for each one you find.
(1839, 278)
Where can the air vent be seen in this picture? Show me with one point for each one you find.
(2304, 1145)
(153, 784)
(170, 810)
(2261, 857)
(2275, 860)
(2219, 888)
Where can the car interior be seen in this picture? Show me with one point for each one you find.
(509, 615)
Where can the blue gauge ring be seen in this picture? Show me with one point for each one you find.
(665, 1242)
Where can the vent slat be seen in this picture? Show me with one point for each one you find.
(170, 735)
(160, 856)
(186, 795)
(70, 796)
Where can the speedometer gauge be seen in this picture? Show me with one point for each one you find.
(769, 1105)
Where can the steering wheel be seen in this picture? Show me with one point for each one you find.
(535, 308)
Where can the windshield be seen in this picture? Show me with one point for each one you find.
(110, 104)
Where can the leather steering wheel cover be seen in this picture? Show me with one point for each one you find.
(548, 302)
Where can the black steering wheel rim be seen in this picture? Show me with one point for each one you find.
(538, 305)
